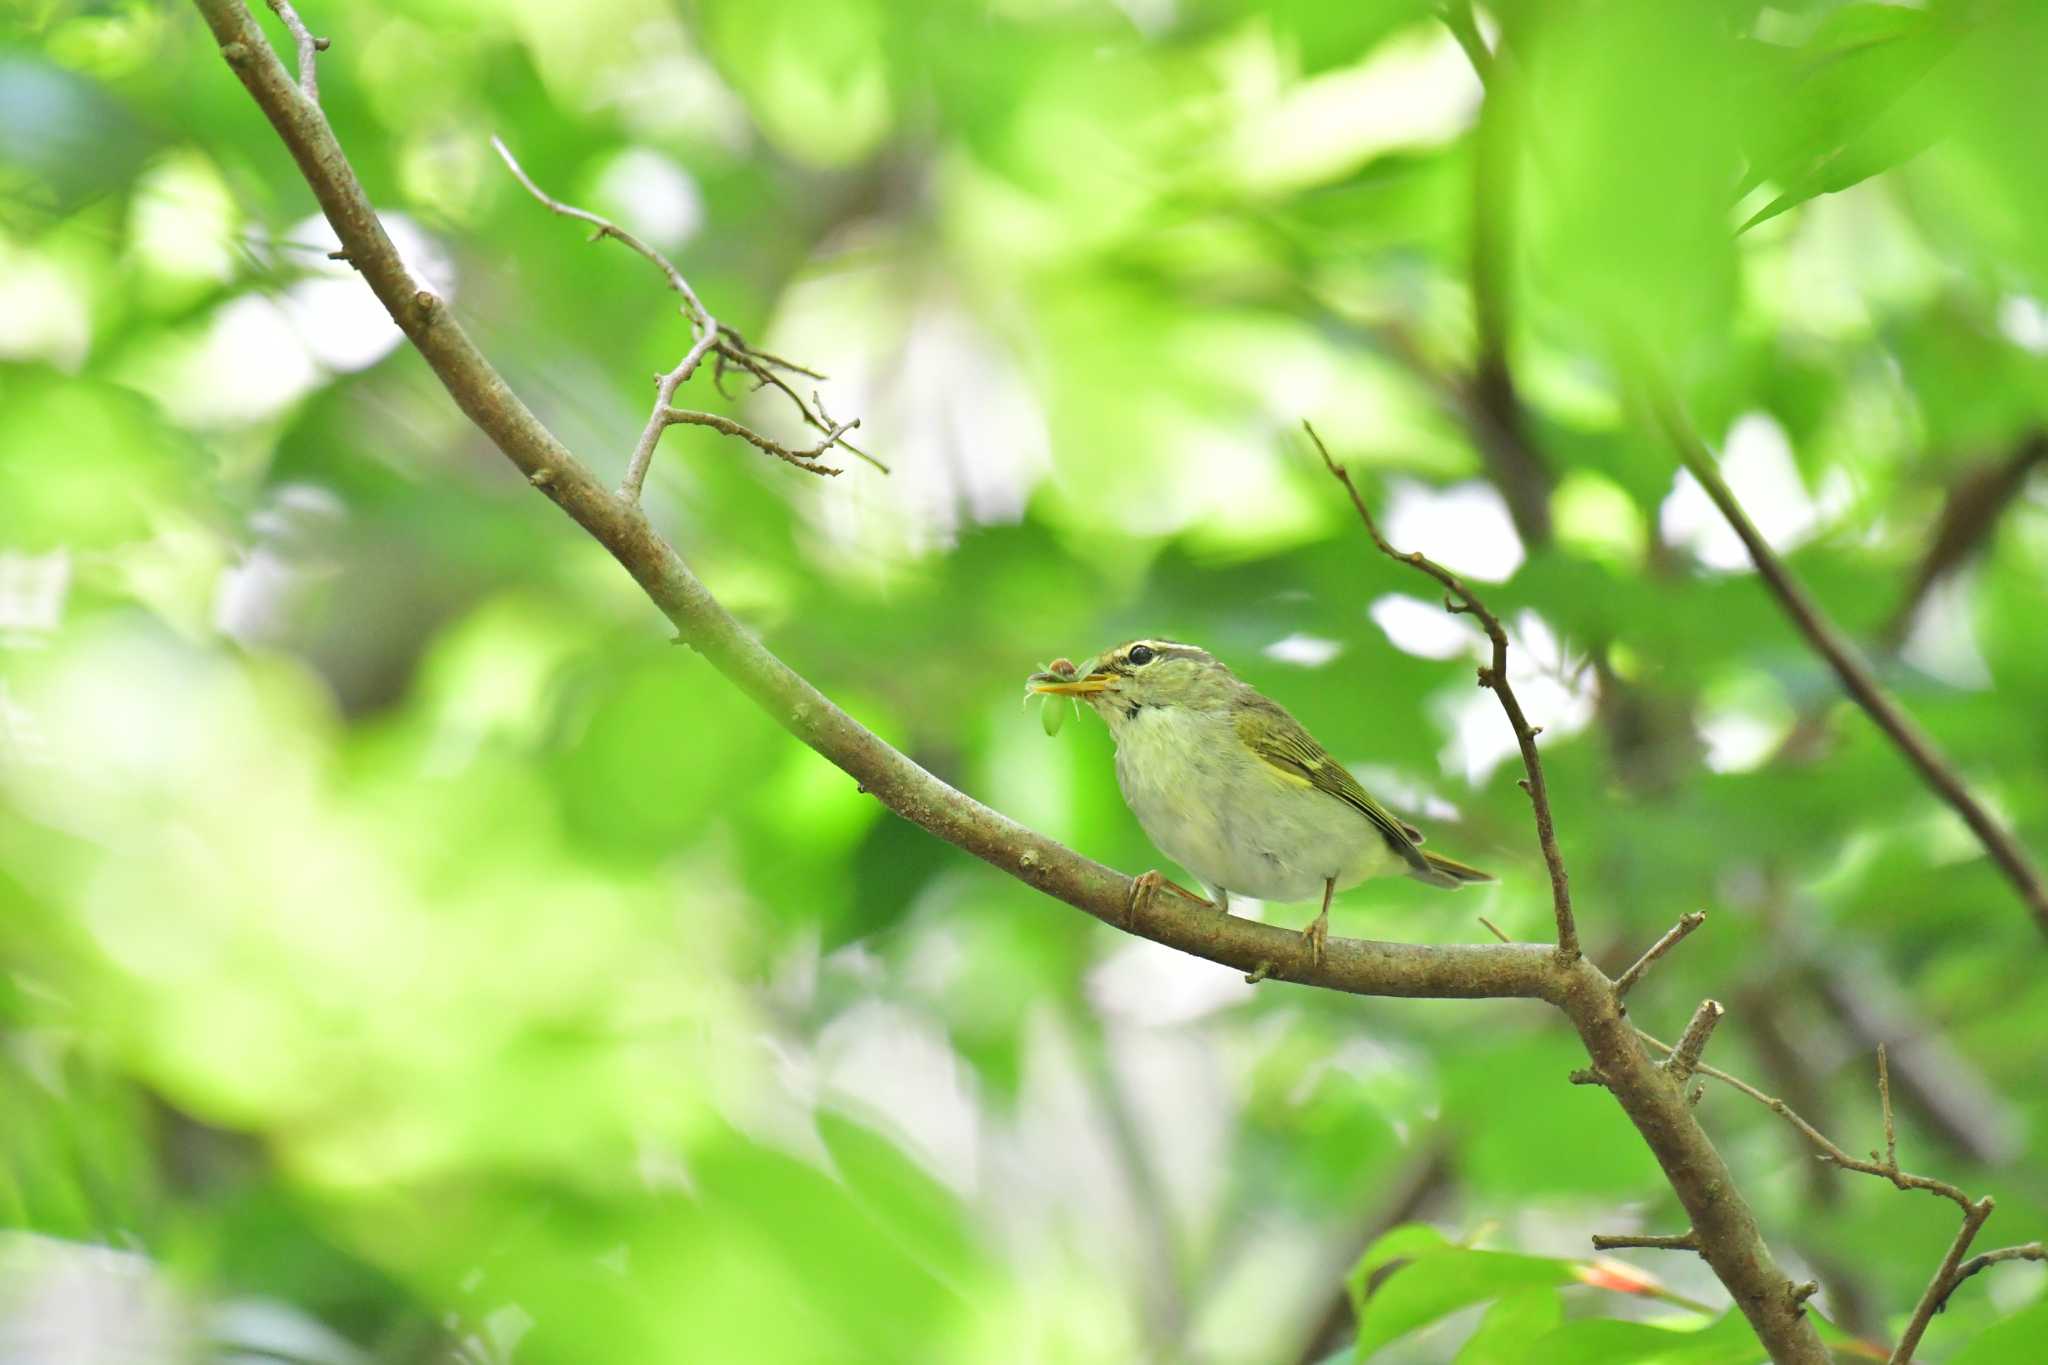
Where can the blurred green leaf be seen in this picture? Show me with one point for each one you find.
(2011, 1341)
(1727, 1341)
(1848, 103)
(1411, 1277)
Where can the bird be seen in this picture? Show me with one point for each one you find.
(1232, 787)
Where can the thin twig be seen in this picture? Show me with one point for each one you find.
(763, 369)
(1951, 1271)
(693, 307)
(308, 45)
(1945, 1278)
(802, 459)
(703, 326)
(1684, 1241)
(1460, 600)
(1853, 670)
(2031, 1251)
(1884, 1100)
(1830, 1151)
(1672, 937)
(1495, 929)
(1951, 1095)
(709, 336)
(1685, 1058)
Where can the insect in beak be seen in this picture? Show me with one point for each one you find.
(1062, 679)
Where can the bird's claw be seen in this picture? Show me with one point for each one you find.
(1145, 888)
(1317, 934)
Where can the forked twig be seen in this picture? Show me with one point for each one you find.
(1953, 1270)
(709, 337)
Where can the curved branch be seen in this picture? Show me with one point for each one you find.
(1728, 1233)
(1853, 670)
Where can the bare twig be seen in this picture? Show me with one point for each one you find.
(1494, 929)
(1945, 1278)
(802, 459)
(693, 307)
(2031, 1251)
(709, 336)
(1950, 1095)
(704, 327)
(1672, 937)
(764, 370)
(308, 45)
(1829, 1150)
(1684, 1241)
(1884, 1100)
(1459, 600)
(1685, 1058)
(1952, 1271)
(1853, 670)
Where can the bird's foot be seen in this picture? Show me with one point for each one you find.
(1145, 889)
(1317, 934)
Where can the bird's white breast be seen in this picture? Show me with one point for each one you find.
(1229, 817)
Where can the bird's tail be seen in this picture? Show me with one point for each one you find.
(1449, 873)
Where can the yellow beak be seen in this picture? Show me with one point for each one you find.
(1068, 687)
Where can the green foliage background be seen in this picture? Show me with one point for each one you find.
(406, 954)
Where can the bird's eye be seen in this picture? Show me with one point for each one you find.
(1141, 655)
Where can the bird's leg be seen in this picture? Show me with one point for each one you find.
(1318, 933)
(1222, 900)
(1145, 888)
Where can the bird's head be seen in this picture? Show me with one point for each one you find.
(1121, 682)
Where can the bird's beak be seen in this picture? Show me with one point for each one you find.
(1067, 686)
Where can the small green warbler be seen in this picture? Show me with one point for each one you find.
(1230, 786)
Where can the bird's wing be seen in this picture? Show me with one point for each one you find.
(1291, 750)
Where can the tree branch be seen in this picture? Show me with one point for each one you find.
(1945, 1278)
(1684, 1241)
(1730, 1240)
(2032, 1251)
(1685, 1058)
(1853, 670)
(1951, 1271)
(1673, 936)
(1460, 601)
(1940, 1084)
